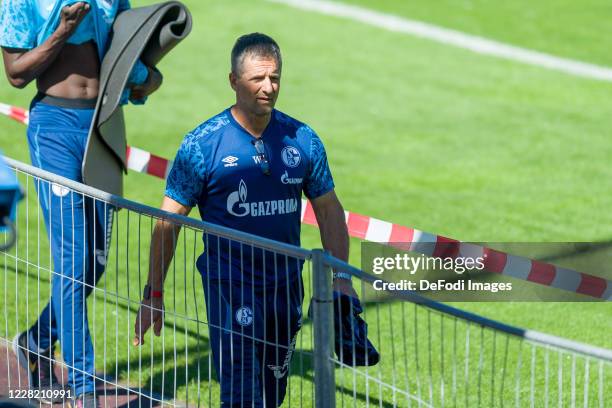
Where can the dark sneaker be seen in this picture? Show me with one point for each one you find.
(87, 400)
(41, 370)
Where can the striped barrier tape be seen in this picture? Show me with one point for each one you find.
(405, 238)
(19, 114)
(410, 239)
(137, 159)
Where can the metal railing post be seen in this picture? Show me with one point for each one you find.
(322, 318)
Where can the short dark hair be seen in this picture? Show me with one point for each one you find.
(257, 44)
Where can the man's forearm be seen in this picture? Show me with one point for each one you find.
(23, 68)
(163, 244)
(334, 234)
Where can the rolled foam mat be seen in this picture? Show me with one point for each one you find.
(148, 33)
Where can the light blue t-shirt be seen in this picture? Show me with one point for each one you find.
(218, 169)
(25, 24)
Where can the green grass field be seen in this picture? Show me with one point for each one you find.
(417, 133)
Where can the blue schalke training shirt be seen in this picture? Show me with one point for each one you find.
(218, 168)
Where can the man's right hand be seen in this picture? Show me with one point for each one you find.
(151, 312)
(71, 16)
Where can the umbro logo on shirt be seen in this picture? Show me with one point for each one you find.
(230, 161)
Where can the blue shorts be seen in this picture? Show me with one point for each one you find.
(252, 336)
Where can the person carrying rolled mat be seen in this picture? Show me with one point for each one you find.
(60, 45)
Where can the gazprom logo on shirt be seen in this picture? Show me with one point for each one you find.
(238, 205)
(285, 179)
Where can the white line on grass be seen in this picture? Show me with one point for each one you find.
(451, 37)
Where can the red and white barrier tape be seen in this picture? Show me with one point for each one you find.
(13, 112)
(137, 159)
(372, 229)
(144, 162)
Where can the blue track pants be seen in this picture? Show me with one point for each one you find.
(79, 232)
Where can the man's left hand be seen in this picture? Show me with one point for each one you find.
(345, 286)
(153, 82)
(150, 313)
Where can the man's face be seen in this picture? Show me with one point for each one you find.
(257, 84)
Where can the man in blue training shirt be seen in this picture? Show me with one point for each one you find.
(60, 44)
(246, 168)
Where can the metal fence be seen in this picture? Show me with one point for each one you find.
(432, 355)
(440, 356)
(178, 368)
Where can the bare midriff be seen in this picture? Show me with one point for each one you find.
(74, 74)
